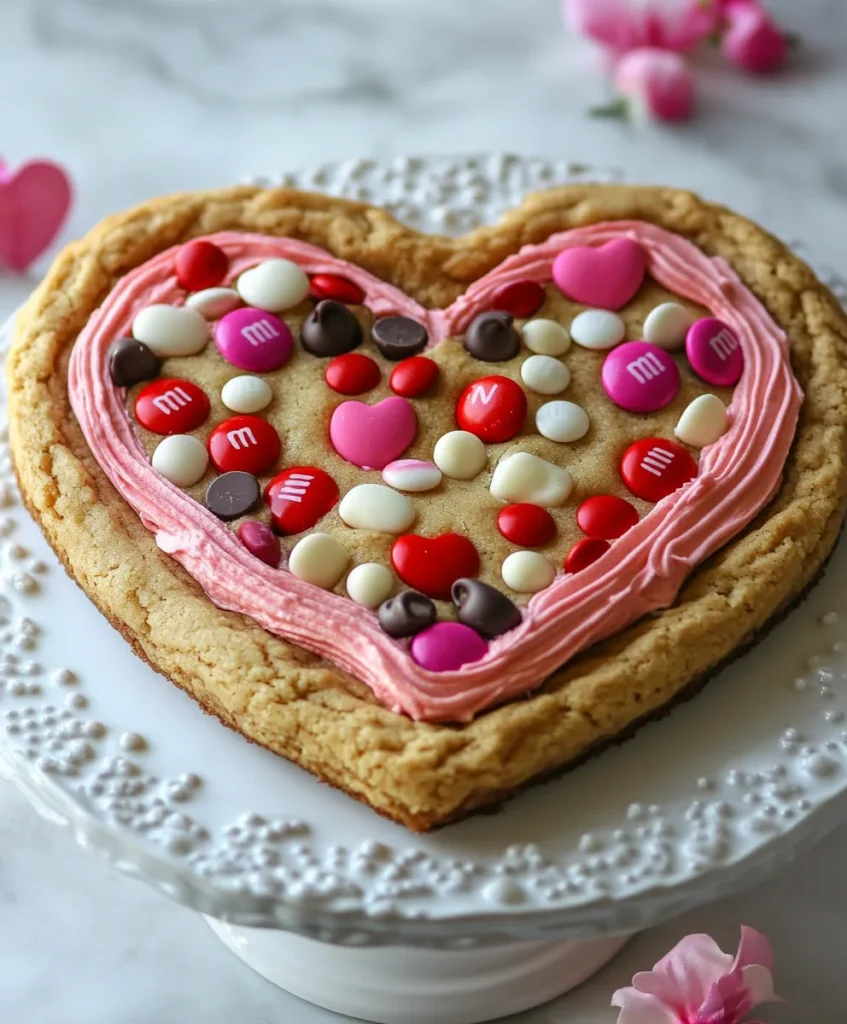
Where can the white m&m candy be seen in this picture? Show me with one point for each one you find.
(273, 285)
(171, 330)
(667, 324)
(562, 421)
(527, 572)
(545, 375)
(546, 337)
(246, 394)
(369, 584)
(597, 329)
(181, 458)
(522, 477)
(319, 559)
(376, 507)
(703, 421)
(460, 455)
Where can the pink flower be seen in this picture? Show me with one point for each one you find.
(624, 25)
(657, 83)
(751, 39)
(696, 983)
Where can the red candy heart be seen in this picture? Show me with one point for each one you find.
(493, 408)
(584, 552)
(605, 277)
(413, 376)
(171, 406)
(433, 564)
(352, 374)
(244, 443)
(334, 286)
(520, 298)
(299, 496)
(653, 468)
(200, 264)
(527, 525)
(606, 516)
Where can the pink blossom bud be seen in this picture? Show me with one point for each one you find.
(752, 40)
(657, 83)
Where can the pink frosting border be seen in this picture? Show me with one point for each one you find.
(644, 569)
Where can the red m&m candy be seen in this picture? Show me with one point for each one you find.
(433, 564)
(413, 377)
(299, 496)
(606, 516)
(526, 524)
(584, 552)
(352, 374)
(493, 408)
(334, 286)
(520, 298)
(200, 264)
(653, 468)
(244, 443)
(171, 406)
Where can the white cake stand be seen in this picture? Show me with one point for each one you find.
(321, 896)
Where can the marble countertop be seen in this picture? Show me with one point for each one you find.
(159, 95)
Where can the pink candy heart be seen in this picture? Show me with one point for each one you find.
(371, 436)
(605, 277)
(34, 201)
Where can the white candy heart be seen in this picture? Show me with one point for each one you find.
(412, 475)
(376, 507)
(597, 329)
(171, 330)
(702, 422)
(562, 421)
(523, 477)
(319, 559)
(527, 572)
(545, 375)
(460, 455)
(180, 458)
(246, 393)
(369, 584)
(213, 303)
(667, 324)
(273, 285)
(547, 337)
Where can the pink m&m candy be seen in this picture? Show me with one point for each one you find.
(640, 377)
(714, 352)
(446, 646)
(254, 340)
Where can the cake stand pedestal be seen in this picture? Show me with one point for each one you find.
(404, 985)
(477, 921)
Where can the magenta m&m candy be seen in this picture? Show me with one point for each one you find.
(244, 443)
(171, 406)
(714, 352)
(640, 377)
(254, 340)
(654, 467)
(261, 541)
(446, 646)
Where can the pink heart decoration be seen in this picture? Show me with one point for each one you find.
(371, 436)
(34, 201)
(605, 277)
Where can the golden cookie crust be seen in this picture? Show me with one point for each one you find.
(304, 708)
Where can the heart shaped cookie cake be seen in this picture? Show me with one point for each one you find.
(433, 517)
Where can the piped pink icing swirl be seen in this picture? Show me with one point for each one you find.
(644, 569)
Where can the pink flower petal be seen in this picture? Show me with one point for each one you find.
(658, 81)
(726, 1003)
(624, 25)
(640, 1008)
(753, 948)
(690, 969)
(759, 983)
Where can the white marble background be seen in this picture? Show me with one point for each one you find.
(139, 97)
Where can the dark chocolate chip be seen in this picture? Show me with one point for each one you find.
(491, 337)
(131, 362)
(484, 608)
(232, 495)
(330, 330)
(398, 337)
(406, 614)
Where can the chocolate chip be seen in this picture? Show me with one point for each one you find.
(330, 330)
(484, 608)
(232, 495)
(398, 337)
(131, 362)
(491, 337)
(406, 614)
